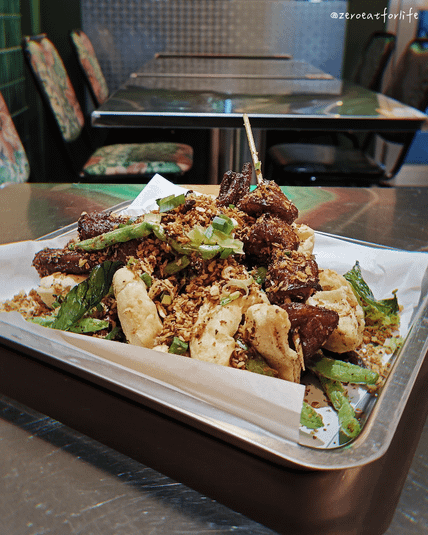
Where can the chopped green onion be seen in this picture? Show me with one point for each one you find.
(177, 265)
(197, 235)
(209, 251)
(229, 298)
(226, 253)
(178, 346)
(170, 202)
(223, 223)
(260, 275)
(241, 344)
(151, 217)
(166, 299)
(146, 278)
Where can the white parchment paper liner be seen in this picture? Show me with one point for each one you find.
(266, 402)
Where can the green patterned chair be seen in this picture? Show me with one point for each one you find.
(90, 66)
(14, 166)
(131, 162)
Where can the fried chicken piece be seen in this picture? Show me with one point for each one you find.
(268, 198)
(137, 312)
(269, 231)
(314, 325)
(96, 223)
(291, 276)
(266, 329)
(234, 185)
(336, 294)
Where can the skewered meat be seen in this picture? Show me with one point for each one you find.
(269, 231)
(48, 261)
(96, 223)
(268, 198)
(291, 276)
(234, 186)
(314, 325)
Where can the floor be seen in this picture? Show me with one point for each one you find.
(412, 175)
(415, 170)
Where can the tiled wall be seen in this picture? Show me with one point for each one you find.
(12, 81)
(126, 33)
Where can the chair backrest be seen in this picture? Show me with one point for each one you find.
(91, 69)
(375, 57)
(14, 166)
(409, 82)
(54, 85)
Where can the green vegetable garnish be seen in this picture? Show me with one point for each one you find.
(384, 311)
(178, 346)
(119, 235)
(260, 275)
(114, 333)
(223, 223)
(85, 295)
(310, 418)
(229, 298)
(84, 325)
(257, 364)
(177, 265)
(349, 425)
(170, 202)
(146, 278)
(345, 372)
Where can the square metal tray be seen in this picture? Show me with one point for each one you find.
(383, 412)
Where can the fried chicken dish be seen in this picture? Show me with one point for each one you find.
(230, 280)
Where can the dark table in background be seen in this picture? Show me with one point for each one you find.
(277, 94)
(55, 480)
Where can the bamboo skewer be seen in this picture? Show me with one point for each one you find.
(254, 154)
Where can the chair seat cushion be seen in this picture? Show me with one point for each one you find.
(301, 158)
(140, 159)
(14, 166)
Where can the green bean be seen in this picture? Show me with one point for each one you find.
(345, 372)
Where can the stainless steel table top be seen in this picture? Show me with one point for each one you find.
(55, 480)
(215, 67)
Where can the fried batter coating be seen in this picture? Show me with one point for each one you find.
(337, 295)
(266, 328)
(268, 198)
(213, 339)
(234, 185)
(137, 312)
(314, 325)
(291, 276)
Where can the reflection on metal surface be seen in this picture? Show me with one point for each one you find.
(388, 216)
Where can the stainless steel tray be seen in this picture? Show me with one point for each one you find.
(384, 413)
